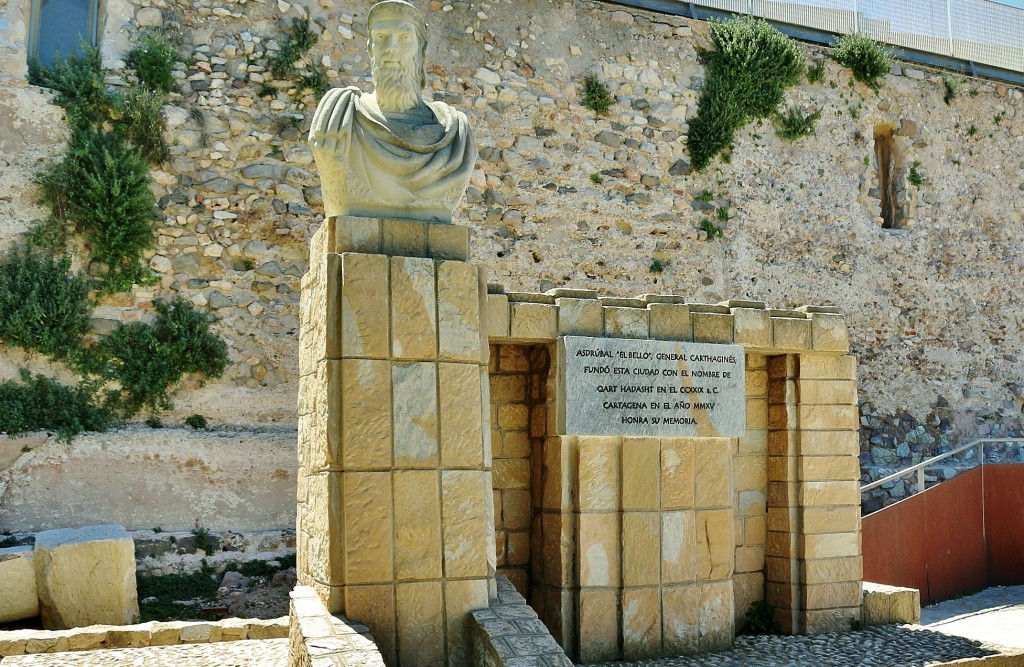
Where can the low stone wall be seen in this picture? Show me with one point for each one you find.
(25, 642)
(882, 604)
(175, 479)
(315, 633)
(510, 634)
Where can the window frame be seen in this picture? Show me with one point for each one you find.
(35, 10)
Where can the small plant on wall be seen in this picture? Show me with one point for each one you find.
(867, 59)
(746, 72)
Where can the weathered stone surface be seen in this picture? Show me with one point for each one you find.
(368, 538)
(417, 524)
(420, 622)
(413, 308)
(414, 396)
(458, 311)
(461, 411)
(18, 596)
(467, 529)
(85, 576)
(364, 423)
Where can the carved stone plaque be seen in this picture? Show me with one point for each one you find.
(617, 386)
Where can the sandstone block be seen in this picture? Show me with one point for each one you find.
(749, 559)
(754, 441)
(558, 549)
(513, 358)
(413, 308)
(680, 619)
(905, 606)
(461, 598)
(421, 627)
(511, 474)
(417, 524)
(753, 328)
(829, 443)
(714, 546)
(580, 317)
(461, 407)
(407, 238)
(670, 321)
(783, 391)
(677, 473)
(825, 570)
(829, 332)
(599, 625)
(620, 322)
(641, 623)
(365, 420)
(598, 546)
(533, 322)
(746, 589)
(368, 536)
(789, 333)
(18, 596)
(749, 473)
(641, 548)
(827, 367)
(831, 493)
(598, 476)
(823, 392)
(678, 547)
(829, 468)
(374, 606)
(85, 576)
(874, 606)
(820, 621)
(712, 463)
(559, 454)
(756, 381)
(641, 472)
(831, 545)
(832, 595)
(458, 311)
(712, 328)
(414, 405)
(516, 509)
(363, 316)
(828, 417)
(353, 234)
(466, 526)
(497, 317)
(715, 622)
(448, 242)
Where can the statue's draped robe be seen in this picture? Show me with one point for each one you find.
(408, 165)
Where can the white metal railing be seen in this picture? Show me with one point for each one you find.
(978, 444)
(977, 31)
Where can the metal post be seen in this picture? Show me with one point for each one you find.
(920, 480)
(949, 24)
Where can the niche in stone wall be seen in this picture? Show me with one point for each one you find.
(891, 189)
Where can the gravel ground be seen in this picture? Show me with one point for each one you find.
(882, 646)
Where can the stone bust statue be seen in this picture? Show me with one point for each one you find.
(389, 153)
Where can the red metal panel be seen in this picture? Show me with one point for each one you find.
(894, 545)
(955, 547)
(1004, 523)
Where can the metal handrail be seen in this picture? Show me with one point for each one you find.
(919, 468)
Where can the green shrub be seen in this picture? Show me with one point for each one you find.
(794, 124)
(146, 359)
(169, 588)
(746, 73)
(198, 422)
(316, 80)
(710, 228)
(79, 80)
(139, 118)
(101, 188)
(297, 41)
(39, 403)
(43, 307)
(867, 59)
(596, 95)
(951, 86)
(816, 72)
(914, 176)
(153, 61)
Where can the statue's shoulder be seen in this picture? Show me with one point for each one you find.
(448, 115)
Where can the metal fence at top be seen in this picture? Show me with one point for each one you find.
(976, 31)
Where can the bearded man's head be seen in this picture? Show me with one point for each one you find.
(397, 42)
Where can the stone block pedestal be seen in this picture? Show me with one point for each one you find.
(395, 516)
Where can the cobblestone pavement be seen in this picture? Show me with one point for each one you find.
(995, 615)
(245, 653)
(882, 646)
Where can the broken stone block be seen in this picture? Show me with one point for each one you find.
(18, 598)
(86, 576)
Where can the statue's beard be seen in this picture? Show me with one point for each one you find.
(397, 84)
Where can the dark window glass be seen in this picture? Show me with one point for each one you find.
(60, 26)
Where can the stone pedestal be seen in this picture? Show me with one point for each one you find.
(395, 516)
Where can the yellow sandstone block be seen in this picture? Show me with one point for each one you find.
(712, 328)
(749, 559)
(465, 525)
(827, 367)
(714, 547)
(746, 589)
(756, 382)
(831, 545)
(828, 417)
(533, 322)
(461, 598)
(677, 473)
(826, 468)
(365, 415)
(830, 570)
(749, 473)
(580, 317)
(599, 625)
(516, 509)
(831, 493)
(448, 242)
(421, 626)
(417, 524)
(458, 311)
(712, 463)
(374, 606)
(414, 408)
(670, 321)
(829, 443)
(715, 618)
(828, 392)
(753, 328)
(791, 333)
(641, 623)
(368, 520)
(641, 473)
(403, 237)
(363, 315)
(757, 413)
(678, 547)
(621, 322)
(599, 537)
(680, 619)
(413, 308)
(598, 477)
(832, 595)
(461, 415)
(497, 317)
(641, 548)
(830, 333)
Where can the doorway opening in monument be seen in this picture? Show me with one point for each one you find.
(519, 375)
(885, 158)
(61, 27)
